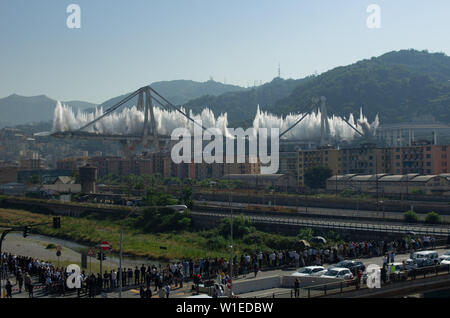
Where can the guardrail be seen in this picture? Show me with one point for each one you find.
(384, 228)
(351, 285)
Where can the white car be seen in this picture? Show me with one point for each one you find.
(410, 264)
(445, 261)
(338, 272)
(320, 273)
(309, 270)
(444, 256)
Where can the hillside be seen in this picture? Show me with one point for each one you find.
(178, 92)
(241, 106)
(399, 86)
(17, 110)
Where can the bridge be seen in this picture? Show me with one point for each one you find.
(215, 216)
(149, 137)
(152, 141)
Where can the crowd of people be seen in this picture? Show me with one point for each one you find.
(29, 273)
(160, 278)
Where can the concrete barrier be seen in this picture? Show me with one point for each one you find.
(248, 286)
(307, 281)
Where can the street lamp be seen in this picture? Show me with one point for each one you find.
(177, 208)
(231, 238)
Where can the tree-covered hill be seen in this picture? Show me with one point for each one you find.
(399, 86)
(241, 106)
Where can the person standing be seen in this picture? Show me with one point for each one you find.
(30, 290)
(19, 280)
(27, 281)
(106, 280)
(137, 273)
(297, 288)
(255, 268)
(113, 279)
(8, 288)
(143, 270)
(148, 293)
(167, 291)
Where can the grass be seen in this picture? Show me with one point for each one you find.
(90, 231)
(135, 243)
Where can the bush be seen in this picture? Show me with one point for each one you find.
(155, 220)
(432, 218)
(241, 226)
(51, 246)
(306, 234)
(410, 217)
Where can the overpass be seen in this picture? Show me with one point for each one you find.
(211, 217)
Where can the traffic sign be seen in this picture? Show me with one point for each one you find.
(90, 253)
(58, 248)
(58, 253)
(105, 246)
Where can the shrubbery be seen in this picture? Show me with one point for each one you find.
(432, 218)
(410, 217)
(156, 220)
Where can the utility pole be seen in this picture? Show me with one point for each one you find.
(120, 262)
(231, 237)
(376, 176)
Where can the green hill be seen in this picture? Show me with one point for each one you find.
(178, 92)
(398, 86)
(241, 106)
(17, 110)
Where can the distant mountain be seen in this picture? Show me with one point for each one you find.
(16, 109)
(399, 86)
(178, 92)
(241, 106)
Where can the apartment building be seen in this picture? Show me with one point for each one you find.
(322, 157)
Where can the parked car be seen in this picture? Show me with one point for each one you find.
(410, 264)
(430, 255)
(319, 273)
(353, 266)
(446, 261)
(338, 272)
(309, 270)
(444, 256)
(421, 262)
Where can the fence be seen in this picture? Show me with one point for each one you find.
(374, 227)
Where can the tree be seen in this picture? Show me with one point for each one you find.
(306, 234)
(410, 217)
(316, 177)
(432, 218)
(35, 179)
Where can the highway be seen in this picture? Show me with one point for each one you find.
(351, 212)
(337, 224)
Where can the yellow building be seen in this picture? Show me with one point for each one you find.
(322, 157)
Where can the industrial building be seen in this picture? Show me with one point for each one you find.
(391, 184)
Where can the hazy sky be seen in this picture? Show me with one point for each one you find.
(123, 45)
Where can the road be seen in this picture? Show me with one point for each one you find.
(185, 291)
(335, 224)
(302, 210)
